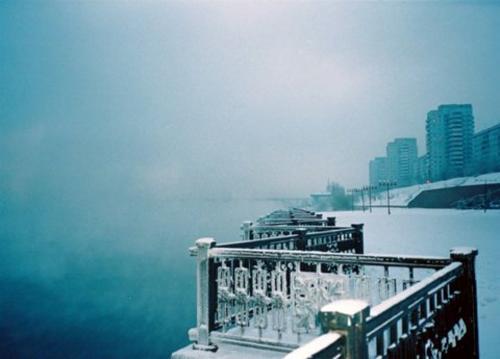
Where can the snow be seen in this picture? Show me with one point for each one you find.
(310, 349)
(345, 306)
(403, 196)
(227, 351)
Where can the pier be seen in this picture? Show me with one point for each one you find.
(298, 286)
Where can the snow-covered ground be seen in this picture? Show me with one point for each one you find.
(402, 196)
(434, 232)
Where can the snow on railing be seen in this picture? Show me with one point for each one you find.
(272, 297)
(310, 291)
(436, 318)
(338, 239)
(275, 225)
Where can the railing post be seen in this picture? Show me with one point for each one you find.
(301, 243)
(467, 256)
(348, 317)
(246, 231)
(358, 237)
(204, 292)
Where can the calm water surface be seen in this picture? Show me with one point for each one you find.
(113, 280)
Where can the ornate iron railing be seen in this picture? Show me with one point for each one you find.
(274, 225)
(314, 294)
(223, 280)
(272, 297)
(293, 216)
(335, 239)
(250, 231)
(435, 318)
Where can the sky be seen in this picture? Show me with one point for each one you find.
(174, 100)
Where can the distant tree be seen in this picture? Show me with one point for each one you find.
(339, 199)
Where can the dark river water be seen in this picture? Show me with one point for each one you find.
(113, 281)
(117, 281)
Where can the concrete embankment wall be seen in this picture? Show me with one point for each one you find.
(448, 197)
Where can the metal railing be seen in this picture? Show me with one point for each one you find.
(436, 318)
(244, 284)
(293, 216)
(336, 239)
(271, 298)
(276, 225)
(314, 294)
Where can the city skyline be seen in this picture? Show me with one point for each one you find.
(452, 149)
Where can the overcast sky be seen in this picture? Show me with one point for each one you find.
(194, 99)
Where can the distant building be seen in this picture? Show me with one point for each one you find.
(450, 130)
(321, 201)
(422, 169)
(335, 189)
(334, 198)
(378, 170)
(436, 145)
(401, 160)
(486, 150)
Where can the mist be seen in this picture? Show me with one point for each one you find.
(197, 100)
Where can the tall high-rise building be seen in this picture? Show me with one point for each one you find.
(450, 130)
(378, 170)
(436, 145)
(486, 150)
(401, 161)
(422, 169)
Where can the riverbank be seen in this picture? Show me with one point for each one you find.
(441, 194)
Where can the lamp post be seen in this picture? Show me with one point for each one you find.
(362, 190)
(388, 184)
(485, 196)
(351, 192)
(369, 188)
(352, 200)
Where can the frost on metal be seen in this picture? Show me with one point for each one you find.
(276, 294)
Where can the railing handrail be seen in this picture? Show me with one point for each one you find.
(291, 227)
(260, 241)
(316, 234)
(285, 239)
(402, 303)
(321, 257)
(295, 223)
(291, 218)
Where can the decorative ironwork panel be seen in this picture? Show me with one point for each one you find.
(269, 297)
(241, 289)
(304, 287)
(279, 298)
(225, 295)
(260, 299)
(387, 287)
